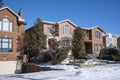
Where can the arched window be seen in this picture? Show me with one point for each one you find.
(6, 25)
(66, 30)
(97, 34)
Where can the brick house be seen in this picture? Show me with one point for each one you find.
(93, 36)
(93, 40)
(65, 28)
(11, 29)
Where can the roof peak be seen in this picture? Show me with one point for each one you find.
(19, 18)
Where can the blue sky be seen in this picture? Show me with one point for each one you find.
(84, 13)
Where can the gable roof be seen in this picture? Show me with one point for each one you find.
(67, 20)
(19, 18)
(49, 22)
(93, 28)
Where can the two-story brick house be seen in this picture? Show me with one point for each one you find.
(93, 40)
(65, 28)
(93, 36)
(11, 29)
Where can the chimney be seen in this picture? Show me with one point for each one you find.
(20, 13)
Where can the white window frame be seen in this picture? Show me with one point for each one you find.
(6, 25)
(66, 30)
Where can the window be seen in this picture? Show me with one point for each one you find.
(97, 34)
(66, 30)
(95, 47)
(6, 25)
(86, 34)
(99, 47)
(5, 45)
(49, 28)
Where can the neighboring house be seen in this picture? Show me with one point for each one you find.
(93, 40)
(111, 40)
(65, 28)
(11, 29)
(118, 42)
(93, 36)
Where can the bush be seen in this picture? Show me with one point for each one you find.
(61, 56)
(47, 56)
(55, 56)
(110, 54)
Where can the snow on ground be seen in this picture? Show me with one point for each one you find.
(103, 72)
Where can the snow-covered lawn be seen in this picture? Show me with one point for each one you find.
(103, 72)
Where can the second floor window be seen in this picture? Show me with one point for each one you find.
(6, 25)
(97, 34)
(5, 44)
(49, 28)
(66, 30)
(86, 34)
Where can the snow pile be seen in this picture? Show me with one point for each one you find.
(94, 62)
(46, 64)
(66, 61)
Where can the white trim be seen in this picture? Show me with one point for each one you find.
(49, 22)
(68, 21)
(92, 28)
(19, 18)
(60, 22)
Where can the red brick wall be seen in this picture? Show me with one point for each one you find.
(96, 40)
(61, 35)
(59, 27)
(5, 13)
